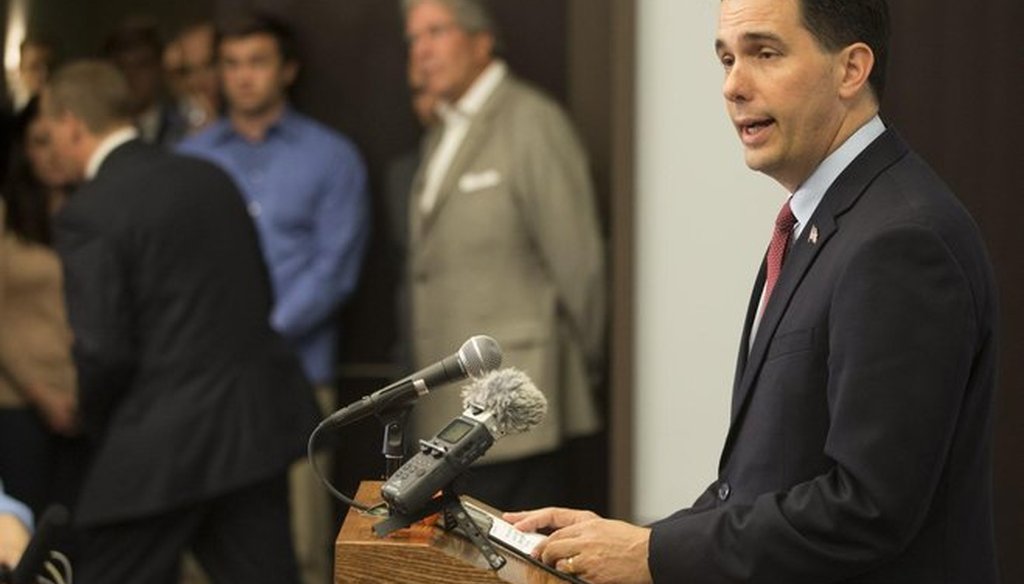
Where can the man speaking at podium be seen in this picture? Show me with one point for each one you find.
(859, 445)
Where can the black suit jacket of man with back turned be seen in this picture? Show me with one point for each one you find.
(185, 390)
(859, 448)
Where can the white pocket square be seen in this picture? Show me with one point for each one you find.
(470, 182)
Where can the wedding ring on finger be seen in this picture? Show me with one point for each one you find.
(571, 568)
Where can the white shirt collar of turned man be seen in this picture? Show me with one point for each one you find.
(106, 146)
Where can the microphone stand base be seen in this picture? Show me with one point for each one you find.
(455, 517)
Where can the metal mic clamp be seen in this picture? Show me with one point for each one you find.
(455, 517)
(393, 448)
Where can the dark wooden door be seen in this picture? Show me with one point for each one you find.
(955, 87)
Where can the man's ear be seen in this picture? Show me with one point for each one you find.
(855, 65)
(290, 72)
(483, 46)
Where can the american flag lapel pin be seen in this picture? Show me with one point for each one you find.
(813, 237)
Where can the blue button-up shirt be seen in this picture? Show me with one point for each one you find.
(9, 506)
(305, 187)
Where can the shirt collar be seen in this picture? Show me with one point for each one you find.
(284, 126)
(148, 123)
(806, 198)
(105, 147)
(477, 94)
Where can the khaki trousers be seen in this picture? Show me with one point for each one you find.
(313, 518)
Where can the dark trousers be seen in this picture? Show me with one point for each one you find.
(28, 454)
(241, 536)
(526, 483)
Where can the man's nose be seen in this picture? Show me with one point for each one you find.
(737, 84)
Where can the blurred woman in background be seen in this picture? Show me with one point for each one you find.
(37, 377)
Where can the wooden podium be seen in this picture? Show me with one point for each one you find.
(420, 554)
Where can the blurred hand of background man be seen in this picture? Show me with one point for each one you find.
(14, 538)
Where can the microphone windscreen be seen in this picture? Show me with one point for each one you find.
(509, 394)
(479, 355)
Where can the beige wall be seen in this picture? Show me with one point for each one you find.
(702, 223)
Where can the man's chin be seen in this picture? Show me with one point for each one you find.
(251, 108)
(757, 160)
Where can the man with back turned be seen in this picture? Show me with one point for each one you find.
(859, 445)
(305, 187)
(194, 407)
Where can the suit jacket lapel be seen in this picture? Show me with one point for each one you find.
(799, 259)
(416, 216)
(839, 198)
(479, 130)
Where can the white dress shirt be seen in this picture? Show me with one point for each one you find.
(457, 120)
(106, 146)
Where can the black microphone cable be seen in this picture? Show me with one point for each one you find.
(310, 447)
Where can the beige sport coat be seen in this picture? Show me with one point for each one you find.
(512, 249)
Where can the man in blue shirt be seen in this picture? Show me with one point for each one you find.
(305, 187)
(15, 519)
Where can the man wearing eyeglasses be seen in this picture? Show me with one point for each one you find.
(504, 239)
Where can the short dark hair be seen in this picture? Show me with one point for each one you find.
(260, 24)
(27, 208)
(840, 23)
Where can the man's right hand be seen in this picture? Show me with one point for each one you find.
(548, 519)
(600, 551)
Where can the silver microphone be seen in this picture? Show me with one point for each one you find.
(475, 358)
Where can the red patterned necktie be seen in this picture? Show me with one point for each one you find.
(777, 250)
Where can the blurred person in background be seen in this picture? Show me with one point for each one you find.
(191, 64)
(37, 376)
(171, 62)
(305, 187)
(37, 57)
(15, 525)
(503, 240)
(137, 49)
(193, 406)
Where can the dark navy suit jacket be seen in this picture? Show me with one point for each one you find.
(184, 388)
(859, 446)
